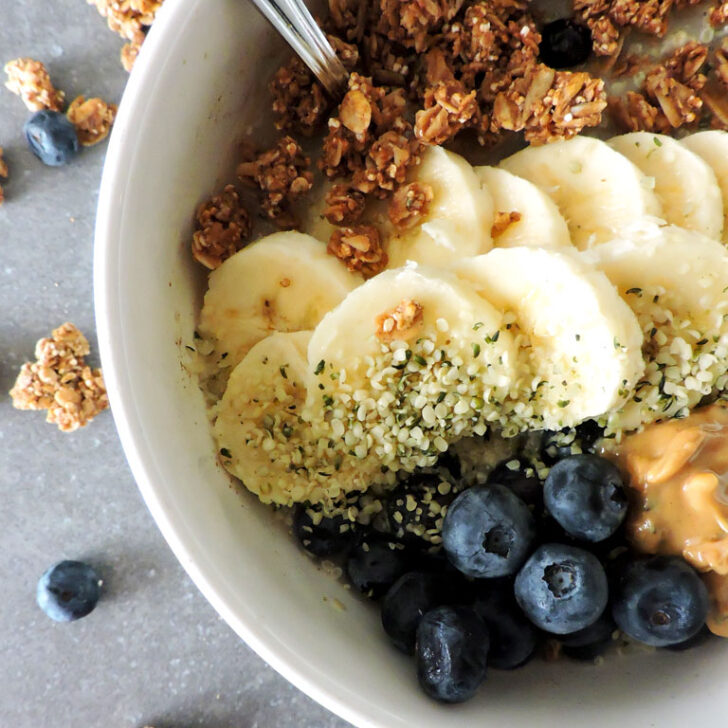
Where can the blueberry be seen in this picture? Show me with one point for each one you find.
(487, 531)
(519, 475)
(660, 600)
(512, 637)
(406, 602)
(322, 536)
(415, 508)
(565, 43)
(562, 589)
(375, 563)
(451, 653)
(702, 636)
(592, 641)
(69, 590)
(586, 495)
(52, 137)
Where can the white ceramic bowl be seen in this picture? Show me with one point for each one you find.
(199, 80)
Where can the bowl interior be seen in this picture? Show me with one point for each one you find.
(200, 83)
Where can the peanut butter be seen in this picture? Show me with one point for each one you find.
(679, 473)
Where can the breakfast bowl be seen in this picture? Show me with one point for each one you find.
(199, 86)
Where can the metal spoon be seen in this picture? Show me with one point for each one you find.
(294, 22)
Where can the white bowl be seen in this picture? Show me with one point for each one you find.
(199, 80)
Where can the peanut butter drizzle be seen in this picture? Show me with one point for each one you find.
(679, 473)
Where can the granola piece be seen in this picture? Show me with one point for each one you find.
(3, 174)
(222, 226)
(344, 205)
(401, 323)
(679, 103)
(449, 107)
(412, 22)
(720, 64)
(282, 176)
(605, 36)
(92, 118)
(348, 16)
(30, 80)
(128, 18)
(348, 53)
(355, 111)
(634, 112)
(686, 62)
(503, 220)
(386, 163)
(719, 15)
(549, 105)
(410, 203)
(128, 55)
(360, 248)
(715, 91)
(299, 101)
(649, 16)
(61, 382)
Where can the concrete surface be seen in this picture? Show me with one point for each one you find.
(154, 651)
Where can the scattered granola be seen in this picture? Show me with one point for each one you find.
(401, 322)
(679, 103)
(360, 248)
(719, 15)
(30, 80)
(61, 381)
(129, 19)
(3, 174)
(448, 109)
(282, 176)
(410, 203)
(634, 112)
(686, 63)
(344, 205)
(92, 118)
(503, 220)
(222, 227)
(299, 102)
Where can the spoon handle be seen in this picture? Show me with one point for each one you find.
(294, 22)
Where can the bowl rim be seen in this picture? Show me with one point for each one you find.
(115, 181)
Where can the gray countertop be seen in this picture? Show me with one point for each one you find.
(154, 651)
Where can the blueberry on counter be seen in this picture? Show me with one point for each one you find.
(487, 531)
(660, 600)
(586, 495)
(51, 137)
(520, 476)
(68, 591)
(451, 653)
(513, 638)
(406, 602)
(565, 43)
(322, 536)
(375, 563)
(562, 589)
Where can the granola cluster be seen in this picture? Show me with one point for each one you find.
(129, 19)
(401, 322)
(719, 15)
(92, 118)
(3, 174)
(61, 382)
(359, 248)
(281, 175)
(502, 221)
(222, 226)
(30, 80)
(410, 203)
(686, 88)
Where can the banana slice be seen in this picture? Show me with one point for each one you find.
(264, 437)
(283, 282)
(596, 189)
(685, 185)
(582, 343)
(712, 148)
(459, 219)
(409, 362)
(541, 225)
(675, 280)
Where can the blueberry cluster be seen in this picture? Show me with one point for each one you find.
(522, 562)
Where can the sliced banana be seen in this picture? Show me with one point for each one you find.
(283, 282)
(409, 362)
(596, 189)
(712, 148)
(582, 343)
(264, 438)
(675, 280)
(685, 185)
(459, 218)
(541, 225)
